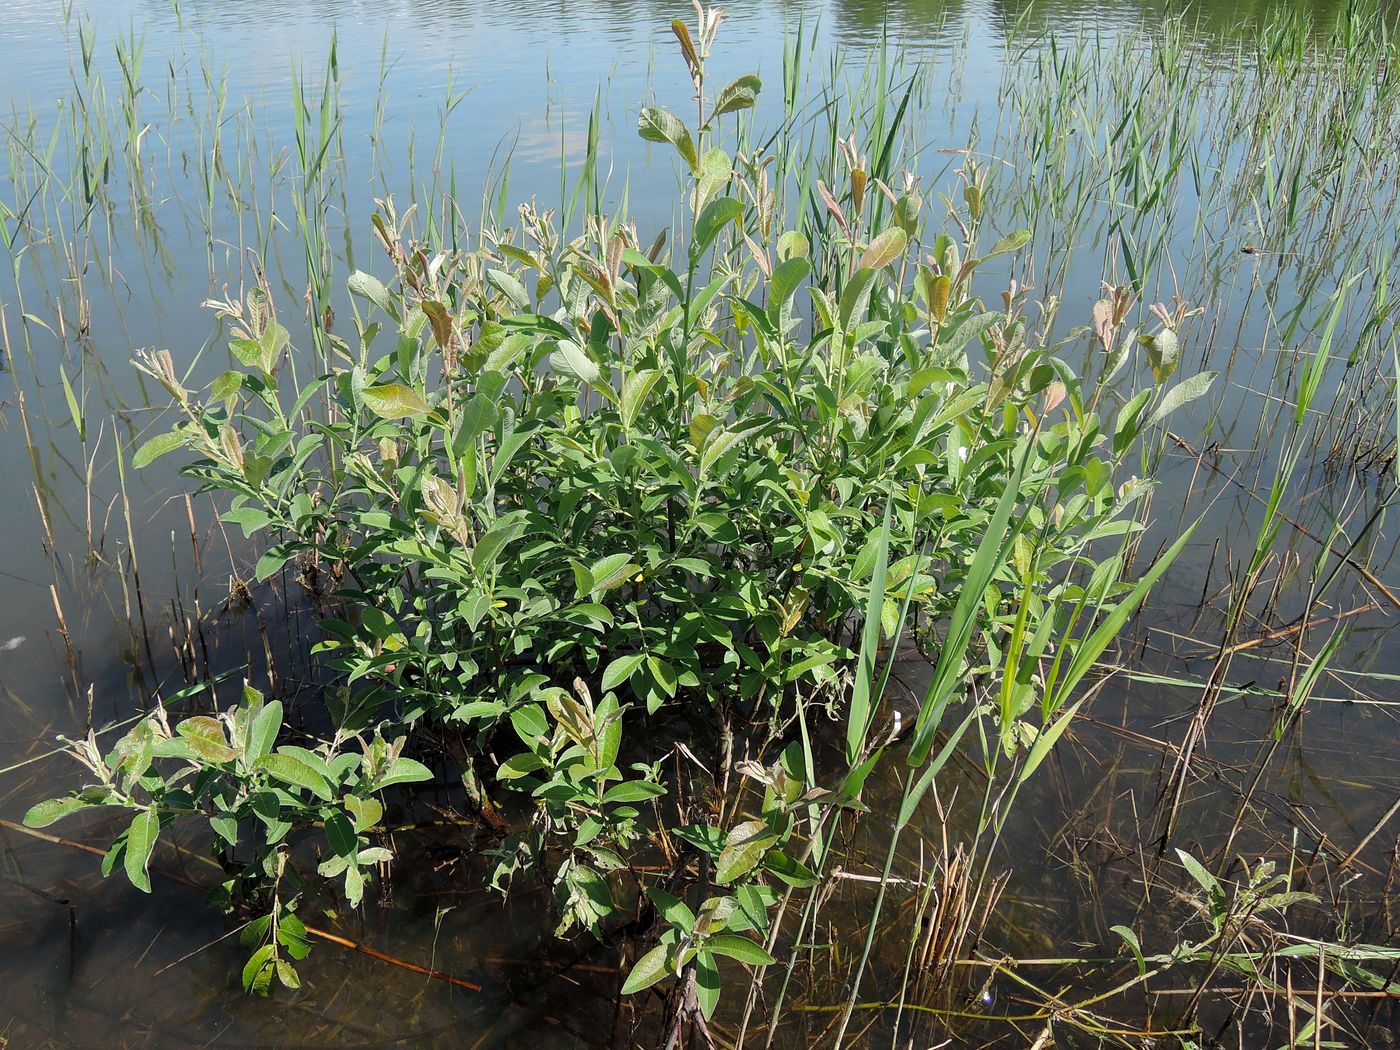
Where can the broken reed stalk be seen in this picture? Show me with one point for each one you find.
(1295, 628)
(67, 643)
(1350, 858)
(131, 556)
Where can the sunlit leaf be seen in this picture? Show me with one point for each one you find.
(740, 94)
(157, 447)
(370, 287)
(292, 770)
(650, 968)
(394, 401)
(884, 249)
(741, 948)
(140, 841)
(656, 125)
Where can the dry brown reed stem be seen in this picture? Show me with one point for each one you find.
(194, 537)
(67, 641)
(1295, 628)
(1327, 993)
(134, 565)
(403, 964)
(1350, 858)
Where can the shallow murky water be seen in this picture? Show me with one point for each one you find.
(90, 962)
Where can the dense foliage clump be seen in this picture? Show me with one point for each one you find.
(561, 488)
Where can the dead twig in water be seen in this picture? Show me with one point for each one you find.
(1295, 628)
(1350, 858)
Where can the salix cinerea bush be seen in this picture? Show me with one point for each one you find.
(570, 484)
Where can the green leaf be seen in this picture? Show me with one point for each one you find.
(248, 351)
(404, 771)
(717, 444)
(157, 447)
(1010, 243)
(275, 557)
(717, 214)
(1163, 354)
(511, 288)
(394, 401)
(140, 840)
(1183, 393)
(650, 968)
(206, 738)
(854, 296)
(704, 837)
(369, 287)
(991, 553)
(656, 125)
(226, 385)
(716, 169)
(791, 871)
(478, 416)
(611, 571)
(754, 900)
(1197, 871)
(294, 771)
(250, 519)
(570, 359)
(861, 709)
(743, 851)
(740, 94)
(632, 791)
(954, 339)
(635, 389)
(366, 811)
(741, 948)
(793, 245)
(287, 975)
(621, 669)
(707, 983)
(262, 732)
(488, 549)
(1089, 650)
(884, 249)
(787, 278)
(273, 341)
(45, 813)
(517, 766)
(663, 673)
(226, 827)
(1131, 939)
(79, 420)
(673, 910)
(255, 969)
(1046, 739)
(530, 724)
(340, 834)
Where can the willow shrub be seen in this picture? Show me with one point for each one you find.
(565, 485)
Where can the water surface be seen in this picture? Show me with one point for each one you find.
(91, 962)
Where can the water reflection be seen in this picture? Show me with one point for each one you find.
(459, 27)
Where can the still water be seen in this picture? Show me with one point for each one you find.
(439, 95)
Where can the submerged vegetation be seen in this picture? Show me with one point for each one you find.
(690, 569)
